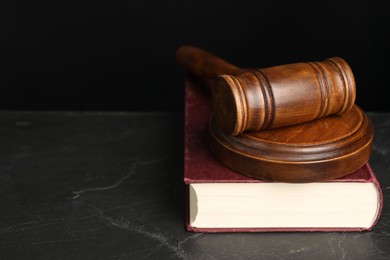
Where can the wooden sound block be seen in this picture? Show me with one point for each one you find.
(320, 150)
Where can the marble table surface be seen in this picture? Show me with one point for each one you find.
(108, 185)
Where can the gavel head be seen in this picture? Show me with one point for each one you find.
(283, 95)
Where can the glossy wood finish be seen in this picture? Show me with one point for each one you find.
(319, 150)
(257, 99)
(335, 141)
(283, 95)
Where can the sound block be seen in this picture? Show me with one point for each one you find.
(321, 150)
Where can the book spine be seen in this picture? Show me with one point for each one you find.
(380, 193)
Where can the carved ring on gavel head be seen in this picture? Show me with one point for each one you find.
(286, 95)
(282, 95)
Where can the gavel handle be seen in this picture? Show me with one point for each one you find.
(203, 63)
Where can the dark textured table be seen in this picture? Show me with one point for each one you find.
(109, 186)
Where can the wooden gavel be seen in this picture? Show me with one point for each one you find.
(273, 97)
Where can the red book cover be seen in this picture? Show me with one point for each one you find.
(201, 167)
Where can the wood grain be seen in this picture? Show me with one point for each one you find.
(283, 95)
(335, 140)
(273, 97)
(319, 150)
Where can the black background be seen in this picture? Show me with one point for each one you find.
(119, 55)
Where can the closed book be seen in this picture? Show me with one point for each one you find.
(221, 200)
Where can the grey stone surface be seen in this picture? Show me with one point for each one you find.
(109, 186)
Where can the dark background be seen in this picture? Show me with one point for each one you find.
(119, 55)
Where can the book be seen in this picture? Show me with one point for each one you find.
(221, 200)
